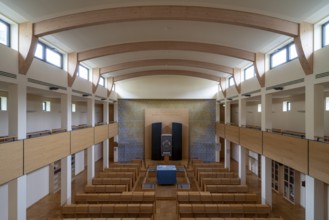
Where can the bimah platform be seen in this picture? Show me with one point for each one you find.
(166, 174)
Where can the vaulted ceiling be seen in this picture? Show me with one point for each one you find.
(127, 38)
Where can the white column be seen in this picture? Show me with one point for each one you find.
(66, 166)
(106, 150)
(91, 149)
(17, 198)
(227, 153)
(242, 164)
(242, 150)
(217, 147)
(266, 181)
(17, 188)
(314, 199)
(66, 179)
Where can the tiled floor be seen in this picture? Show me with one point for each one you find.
(49, 207)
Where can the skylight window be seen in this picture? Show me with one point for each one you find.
(230, 81)
(4, 33)
(325, 34)
(283, 55)
(249, 72)
(102, 81)
(49, 55)
(83, 72)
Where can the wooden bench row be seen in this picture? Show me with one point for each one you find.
(205, 218)
(210, 165)
(119, 169)
(131, 175)
(223, 210)
(113, 181)
(206, 197)
(219, 181)
(100, 218)
(106, 188)
(203, 169)
(125, 197)
(215, 175)
(108, 210)
(226, 188)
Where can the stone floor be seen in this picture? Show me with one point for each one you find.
(49, 206)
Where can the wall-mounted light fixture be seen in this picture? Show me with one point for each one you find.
(53, 88)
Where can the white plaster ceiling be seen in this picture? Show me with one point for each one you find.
(81, 39)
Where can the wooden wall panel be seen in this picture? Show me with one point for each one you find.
(319, 160)
(232, 133)
(41, 151)
(220, 130)
(113, 129)
(101, 133)
(166, 116)
(81, 139)
(11, 161)
(290, 151)
(251, 139)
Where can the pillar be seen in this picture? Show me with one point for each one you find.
(17, 188)
(227, 153)
(314, 198)
(106, 151)
(266, 193)
(91, 149)
(242, 150)
(66, 165)
(217, 147)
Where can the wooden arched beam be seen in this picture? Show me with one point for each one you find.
(95, 79)
(237, 79)
(110, 85)
(165, 12)
(166, 72)
(166, 45)
(169, 62)
(259, 65)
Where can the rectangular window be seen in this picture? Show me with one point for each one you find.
(327, 103)
(49, 55)
(259, 108)
(249, 72)
(283, 55)
(230, 81)
(102, 81)
(286, 106)
(83, 72)
(46, 106)
(73, 108)
(3, 103)
(4, 33)
(325, 34)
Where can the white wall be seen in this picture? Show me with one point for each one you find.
(253, 162)
(98, 151)
(37, 185)
(80, 116)
(79, 162)
(302, 201)
(235, 151)
(253, 117)
(4, 201)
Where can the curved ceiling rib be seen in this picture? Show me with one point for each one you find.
(172, 62)
(192, 13)
(166, 45)
(166, 72)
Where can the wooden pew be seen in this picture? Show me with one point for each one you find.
(205, 218)
(107, 210)
(217, 198)
(209, 169)
(115, 198)
(215, 175)
(123, 169)
(131, 175)
(103, 218)
(219, 181)
(223, 210)
(226, 188)
(113, 181)
(106, 188)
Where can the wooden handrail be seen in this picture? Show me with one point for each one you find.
(6, 139)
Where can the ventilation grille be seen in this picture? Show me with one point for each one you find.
(321, 75)
(9, 75)
(253, 92)
(44, 83)
(232, 97)
(286, 84)
(79, 92)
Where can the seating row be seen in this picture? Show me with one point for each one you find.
(223, 210)
(100, 219)
(215, 175)
(219, 181)
(108, 210)
(207, 197)
(125, 197)
(119, 169)
(131, 175)
(113, 181)
(208, 169)
(202, 218)
(226, 188)
(106, 188)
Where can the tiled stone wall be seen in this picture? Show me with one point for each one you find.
(202, 118)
